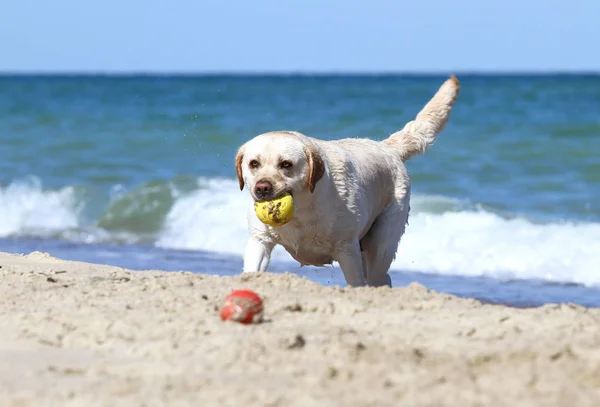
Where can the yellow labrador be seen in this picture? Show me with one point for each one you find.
(351, 196)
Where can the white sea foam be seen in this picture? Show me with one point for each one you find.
(482, 243)
(444, 236)
(212, 218)
(26, 208)
(456, 241)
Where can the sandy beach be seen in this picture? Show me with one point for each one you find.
(79, 334)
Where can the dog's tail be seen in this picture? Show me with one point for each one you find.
(420, 133)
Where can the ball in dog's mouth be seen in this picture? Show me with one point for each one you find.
(276, 212)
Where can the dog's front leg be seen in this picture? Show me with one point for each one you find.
(350, 259)
(258, 254)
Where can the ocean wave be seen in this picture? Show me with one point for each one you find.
(212, 218)
(480, 243)
(445, 235)
(26, 208)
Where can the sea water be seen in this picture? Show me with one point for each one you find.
(138, 171)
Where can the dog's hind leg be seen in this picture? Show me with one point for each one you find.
(348, 256)
(380, 243)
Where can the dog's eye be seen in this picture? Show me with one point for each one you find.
(286, 164)
(254, 164)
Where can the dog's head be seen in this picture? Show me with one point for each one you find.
(272, 164)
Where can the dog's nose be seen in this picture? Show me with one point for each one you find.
(263, 188)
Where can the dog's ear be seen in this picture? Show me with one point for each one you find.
(238, 167)
(316, 166)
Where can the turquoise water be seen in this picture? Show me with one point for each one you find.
(143, 165)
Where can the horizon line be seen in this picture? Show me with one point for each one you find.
(198, 73)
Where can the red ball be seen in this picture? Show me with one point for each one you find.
(244, 306)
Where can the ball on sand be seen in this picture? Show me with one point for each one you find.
(276, 212)
(243, 306)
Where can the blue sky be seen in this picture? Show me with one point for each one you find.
(299, 35)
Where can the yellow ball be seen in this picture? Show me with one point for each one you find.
(276, 212)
